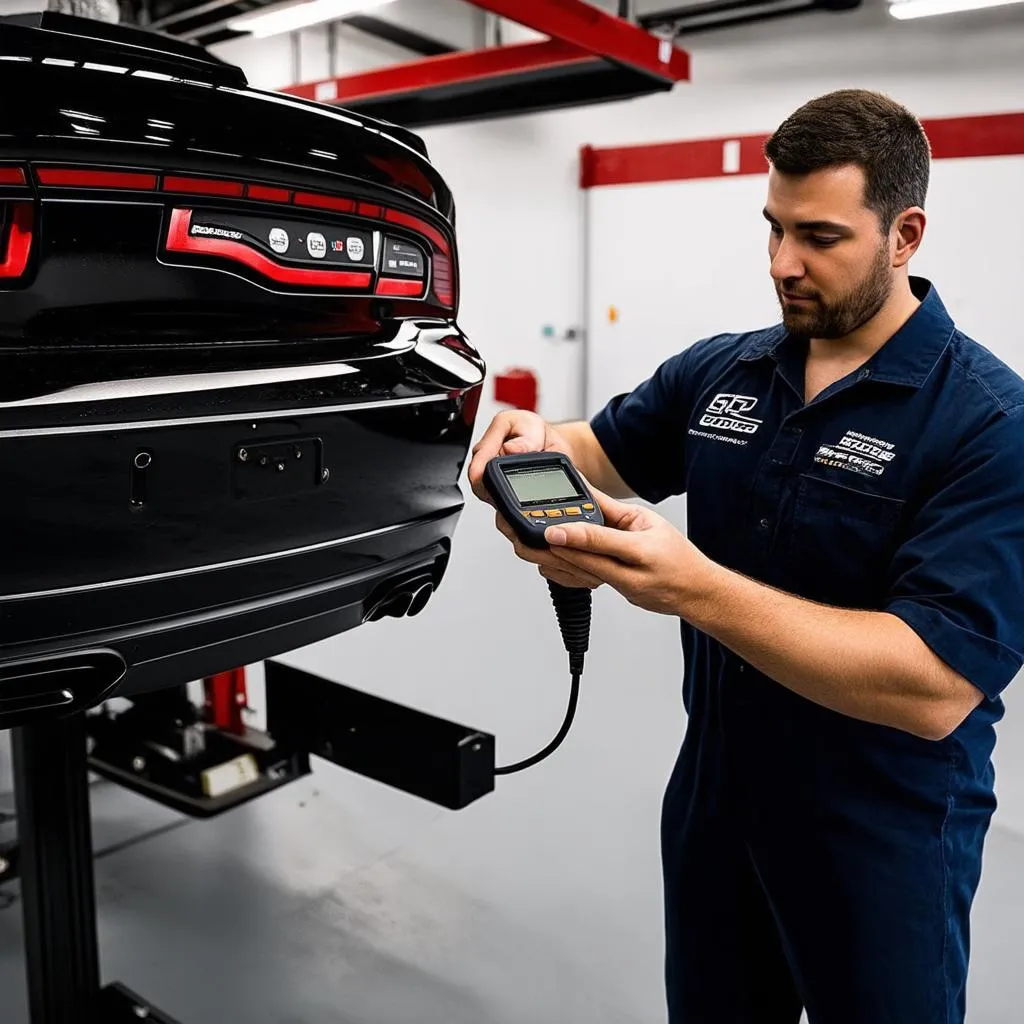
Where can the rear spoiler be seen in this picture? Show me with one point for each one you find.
(51, 34)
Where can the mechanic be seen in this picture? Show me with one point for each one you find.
(851, 597)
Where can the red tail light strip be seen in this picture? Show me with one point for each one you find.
(268, 194)
(19, 241)
(203, 186)
(395, 287)
(408, 221)
(325, 202)
(224, 187)
(12, 176)
(82, 178)
(179, 240)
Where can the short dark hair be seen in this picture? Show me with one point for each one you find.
(855, 126)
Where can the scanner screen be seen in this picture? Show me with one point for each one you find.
(548, 483)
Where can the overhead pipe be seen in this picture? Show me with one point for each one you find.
(693, 17)
(190, 12)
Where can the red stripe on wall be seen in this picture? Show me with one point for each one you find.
(950, 138)
(988, 135)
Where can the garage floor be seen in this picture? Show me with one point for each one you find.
(327, 903)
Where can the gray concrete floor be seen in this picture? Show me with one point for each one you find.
(306, 909)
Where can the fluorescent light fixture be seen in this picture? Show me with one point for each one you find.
(272, 21)
(907, 9)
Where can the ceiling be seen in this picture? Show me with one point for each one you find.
(432, 27)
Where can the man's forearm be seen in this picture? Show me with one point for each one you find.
(869, 665)
(589, 458)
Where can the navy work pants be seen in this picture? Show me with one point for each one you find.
(784, 892)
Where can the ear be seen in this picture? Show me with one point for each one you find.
(907, 233)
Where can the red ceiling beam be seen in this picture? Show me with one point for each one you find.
(446, 69)
(579, 33)
(591, 29)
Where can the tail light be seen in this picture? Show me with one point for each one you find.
(443, 288)
(182, 238)
(17, 238)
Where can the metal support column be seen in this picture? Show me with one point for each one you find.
(57, 888)
(55, 861)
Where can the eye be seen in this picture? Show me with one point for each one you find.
(776, 230)
(824, 241)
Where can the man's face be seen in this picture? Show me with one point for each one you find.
(831, 263)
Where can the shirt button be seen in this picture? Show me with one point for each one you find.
(764, 524)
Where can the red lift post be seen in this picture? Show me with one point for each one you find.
(226, 697)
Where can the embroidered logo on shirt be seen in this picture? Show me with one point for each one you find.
(857, 453)
(729, 412)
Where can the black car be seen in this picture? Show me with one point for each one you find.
(234, 399)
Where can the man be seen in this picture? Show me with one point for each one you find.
(851, 598)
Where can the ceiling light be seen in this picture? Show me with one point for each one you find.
(280, 18)
(906, 9)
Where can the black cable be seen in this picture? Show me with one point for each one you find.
(572, 608)
(562, 733)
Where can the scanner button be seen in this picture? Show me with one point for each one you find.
(574, 511)
(588, 507)
(537, 515)
(554, 513)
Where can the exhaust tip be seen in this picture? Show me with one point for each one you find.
(420, 599)
(398, 606)
(401, 598)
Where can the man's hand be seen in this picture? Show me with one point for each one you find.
(637, 552)
(513, 433)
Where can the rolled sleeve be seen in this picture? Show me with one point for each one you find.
(958, 578)
(643, 433)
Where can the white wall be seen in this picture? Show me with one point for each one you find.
(573, 844)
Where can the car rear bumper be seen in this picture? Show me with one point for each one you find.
(269, 512)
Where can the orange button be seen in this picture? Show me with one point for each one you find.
(573, 511)
(588, 507)
(554, 513)
(536, 515)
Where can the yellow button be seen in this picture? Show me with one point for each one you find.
(554, 513)
(573, 511)
(588, 507)
(536, 515)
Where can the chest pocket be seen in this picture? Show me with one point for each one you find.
(839, 542)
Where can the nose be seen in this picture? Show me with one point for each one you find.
(786, 262)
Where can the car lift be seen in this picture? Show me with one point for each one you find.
(201, 764)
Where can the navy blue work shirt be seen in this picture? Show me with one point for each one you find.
(900, 488)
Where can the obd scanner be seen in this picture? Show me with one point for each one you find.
(533, 491)
(537, 490)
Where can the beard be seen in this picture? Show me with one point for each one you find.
(841, 316)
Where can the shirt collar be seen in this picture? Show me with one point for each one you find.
(908, 357)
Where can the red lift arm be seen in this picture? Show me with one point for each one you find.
(591, 29)
(591, 56)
